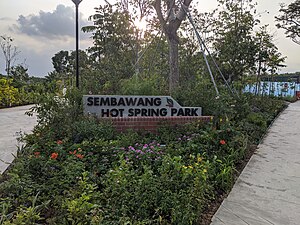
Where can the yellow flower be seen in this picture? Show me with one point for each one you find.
(199, 159)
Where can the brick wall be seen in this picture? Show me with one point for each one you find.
(298, 95)
(151, 124)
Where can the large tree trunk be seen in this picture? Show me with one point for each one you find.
(170, 25)
(173, 62)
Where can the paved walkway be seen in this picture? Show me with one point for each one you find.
(13, 122)
(268, 190)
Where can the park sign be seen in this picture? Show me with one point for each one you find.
(136, 106)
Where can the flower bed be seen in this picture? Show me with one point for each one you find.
(75, 170)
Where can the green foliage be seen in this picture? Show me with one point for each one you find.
(257, 119)
(8, 93)
(89, 129)
(224, 178)
(79, 203)
(289, 20)
(93, 175)
(113, 52)
(259, 115)
(238, 51)
(170, 195)
(201, 92)
(153, 85)
(24, 215)
(17, 91)
(268, 57)
(64, 68)
(234, 43)
(57, 112)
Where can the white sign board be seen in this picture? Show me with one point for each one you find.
(135, 106)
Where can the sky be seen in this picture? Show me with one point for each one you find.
(42, 28)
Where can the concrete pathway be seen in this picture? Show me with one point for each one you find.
(268, 190)
(13, 122)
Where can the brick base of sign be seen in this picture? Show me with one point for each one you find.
(151, 124)
(298, 95)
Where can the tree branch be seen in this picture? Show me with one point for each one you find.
(162, 21)
(295, 22)
(182, 13)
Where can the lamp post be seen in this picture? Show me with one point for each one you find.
(77, 2)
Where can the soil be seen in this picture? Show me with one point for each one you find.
(213, 206)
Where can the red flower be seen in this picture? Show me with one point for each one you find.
(72, 153)
(59, 142)
(54, 155)
(79, 156)
(222, 142)
(37, 154)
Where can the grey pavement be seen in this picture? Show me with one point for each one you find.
(268, 190)
(13, 122)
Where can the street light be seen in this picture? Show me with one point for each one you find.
(77, 2)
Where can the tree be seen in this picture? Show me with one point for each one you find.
(61, 62)
(63, 68)
(170, 23)
(268, 57)
(113, 53)
(64, 65)
(234, 43)
(289, 20)
(20, 75)
(10, 52)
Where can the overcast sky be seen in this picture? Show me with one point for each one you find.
(42, 28)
